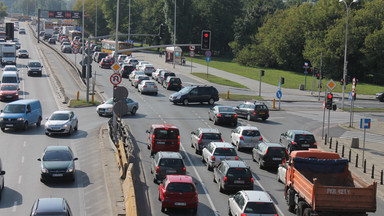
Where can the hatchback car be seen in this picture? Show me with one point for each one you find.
(156, 74)
(202, 136)
(215, 152)
(126, 69)
(251, 202)
(163, 137)
(57, 162)
(147, 87)
(51, 206)
(134, 73)
(269, 154)
(252, 111)
(173, 83)
(178, 191)
(34, 67)
(22, 53)
(138, 79)
(222, 115)
(167, 163)
(9, 91)
(246, 137)
(106, 108)
(163, 76)
(66, 49)
(297, 140)
(105, 63)
(61, 122)
(233, 175)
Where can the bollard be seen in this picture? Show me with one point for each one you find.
(381, 177)
(274, 103)
(93, 99)
(337, 146)
(330, 143)
(228, 94)
(78, 94)
(373, 171)
(357, 160)
(342, 151)
(365, 166)
(325, 142)
(349, 156)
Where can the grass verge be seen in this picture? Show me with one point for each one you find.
(364, 109)
(73, 103)
(218, 80)
(239, 97)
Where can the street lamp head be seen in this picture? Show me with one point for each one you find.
(355, 1)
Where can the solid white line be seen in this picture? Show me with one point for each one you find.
(25, 143)
(14, 206)
(19, 181)
(22, 159)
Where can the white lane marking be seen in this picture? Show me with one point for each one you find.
(22, 159)
(25, 143)
(19, 181)
(14, 206)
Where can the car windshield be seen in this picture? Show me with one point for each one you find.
(34, 64)
(261, 107)
(251, 133)
(22, 51)
(260, 208)
(110, 101)
(304, 137)
(211, 136)
(9, 87)
(276, 152)
(57, 156)
(10, 69)
(180, 187)
(166, 134)
(238, 172)
(150, 83)
(225, 152)
(14, 108)
(174, 163)
(8, 55)
(59, 116)
(10, 79)
(225, 109)
(186, 90)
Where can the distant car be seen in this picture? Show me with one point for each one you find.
(173, 83)
(132, 61)
(147, 87)
(22, 53)
(57, 162)
(167, 163)
(298, 140)
(47, 36)
(61, 122)
(100, 56)
(195, 94)
(251, 202)
(269, 154)
(106, 108)
(252, 111)
(138, 79)
(34, 67)
(246, 137)
(51, 41)
(66, 49)
(156, 74)
(202, 136)
(96, 49)
(233, 175)
(134, 73)
(22, 31)
(281, 173)
(148, 69)
(11, 68)
(222, 115)
(18, 45)
(126, 69)
(140, 63)
(105, 63)
(178, 191)
(9, 91)
(121, 58)
(380, 96)
(163, 76)
(215, 152)
(51, 206)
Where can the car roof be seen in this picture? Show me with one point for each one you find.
(3, 84)
(23, 102)
(57, 148)
(209, 130)
(34, 61)
(10, 66)
(179, 178)
(222, 145)
(254, 102)
(13, 73)
(50, 205)
(166, 154)
(300, 132)
(274, 145)
(164, 126)
(248, 127)
(236, 163)
(259, 196)
(62, 111)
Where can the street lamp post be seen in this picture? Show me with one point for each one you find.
(96, 21)
(174, 38)
(347, 6)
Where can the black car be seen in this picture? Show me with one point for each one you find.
(222, 114)
(193, 94)
(57, 163)
(173, 83)
(233, 175)
(51, 41)
(380, 96)
(253, 111)
(51, 206)
(47, 36)
(298, 140)
(22, 31)
(100, 56)
(34, 67)
(269, 154)
(126, 70)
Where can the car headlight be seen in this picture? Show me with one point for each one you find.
(70, 169)
(20, 119)
(43, 170)
(110, 109)
(47, 124)
(1, 119)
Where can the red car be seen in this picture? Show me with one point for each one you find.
(178, 191)
(9, 91)
(105, 63)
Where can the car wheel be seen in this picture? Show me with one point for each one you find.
(221, 190)
(211, 101)
(249, 117)
(202, 159)
(260, 164)
(3, 129)
(278, 177)
(197, 151)
(194, 211)
(155, 93)
(148, 147)
(229, 210)
(185, 102)
(46, 133)
(77, 126)
(253, 157)
(307, 212)
(25, 126)
(263, 118)
(209, 167)
(38, 123)
(214, 121)
(214, 179)
(238, 147)
(70, 131)
(134, 109)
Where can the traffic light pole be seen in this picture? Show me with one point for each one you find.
(313, 74)
(329, 119)
(351, 113)
(325, 98)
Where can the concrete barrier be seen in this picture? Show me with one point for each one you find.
(129, 193)
(122, 159)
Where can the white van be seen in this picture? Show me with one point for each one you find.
(10, 77)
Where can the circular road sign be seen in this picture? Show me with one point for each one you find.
(208, 53)
(75, 43)
(75, 50)
(68, 15)
(279, 94)
(115, 79)
(192, 48)
(192, 54)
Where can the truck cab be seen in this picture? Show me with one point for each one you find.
(8, 53)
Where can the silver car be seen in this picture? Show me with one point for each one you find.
(138, 79)
(218, 151)
(147, 86)
(134, 73)
(246, 137)
(61, 122)
(251, 202)
(106, 108)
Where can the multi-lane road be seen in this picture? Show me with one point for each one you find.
(88, 194)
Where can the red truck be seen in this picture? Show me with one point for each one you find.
(320, 183)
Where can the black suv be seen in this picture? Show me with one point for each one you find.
(298, 140)
(173, 83)
(126, 70)
(193, 94)
(233, 175)
(269, 154)
(252, 110)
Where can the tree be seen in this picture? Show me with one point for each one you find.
(3, 10)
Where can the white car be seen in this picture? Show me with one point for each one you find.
(147, 86)
(281, 173)
(61, 122)
(121, 58)
(134, 73)
(156, 74)
(246, 137)
(141, 63)
(251, 202)
(106, 108)
(215, 152)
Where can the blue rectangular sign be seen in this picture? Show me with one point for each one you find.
(365, 123)
(207, 59)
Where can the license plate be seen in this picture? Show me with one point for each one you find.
(57, 175)
(305, 145)
(9, 96)
(56, 128)
(238, 182)
(170, 171)
(8, 125)
(180, 204)
(228, 116)
(261, 113)
(276, 159)
(160, 142)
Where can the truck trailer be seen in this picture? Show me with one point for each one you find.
(8, 53)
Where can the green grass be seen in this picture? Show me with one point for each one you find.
(82, 103)
(219, 80)
(365, 109)
(239, 97)
(272, 76)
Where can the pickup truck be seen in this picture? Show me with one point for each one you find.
(320, 183)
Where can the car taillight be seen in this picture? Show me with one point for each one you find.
(184, 170)
(178, 139)
(219, 115)
(144, 86)
(213, 158)
(293, 143)
(243, 214)
(252, 180)
(315, 144)
(261, 138)
(169, 83)
(200, 140)
(242, 138)
(157, 169)
(235, 115)
(254, 113)
(221, 139)
(153, 139)
(236, 158)
(225, 179)
(266, 152)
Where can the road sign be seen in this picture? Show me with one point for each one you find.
(365, 123)
(192, 54)
(306, 65)
(207, 59)
(119, 93)
(177, 53)
(279, 94)
(115, 79)
(76, 43)
(323, 104)
(350, 96)
(75, 50)
(331, 84)
(192, 48)
(208, 53)
(305, 72)
(120, 108)
(115, 67)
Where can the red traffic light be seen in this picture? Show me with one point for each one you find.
(330, 96)
(206, 35)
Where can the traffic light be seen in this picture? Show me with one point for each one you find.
(9, 31)
(317, 75)
(205, 40)
(328, 103)
(282, 80)
(342, 82)
(262, 72)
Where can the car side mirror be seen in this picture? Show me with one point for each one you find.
(147, 131)
(283, 134)
(193, 132)
(39, 159)
(75, 158)
(2, 172)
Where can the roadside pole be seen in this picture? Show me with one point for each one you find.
(320, 75)
(313, 74)
(322, 131)
(366, 124)
(329, 119)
